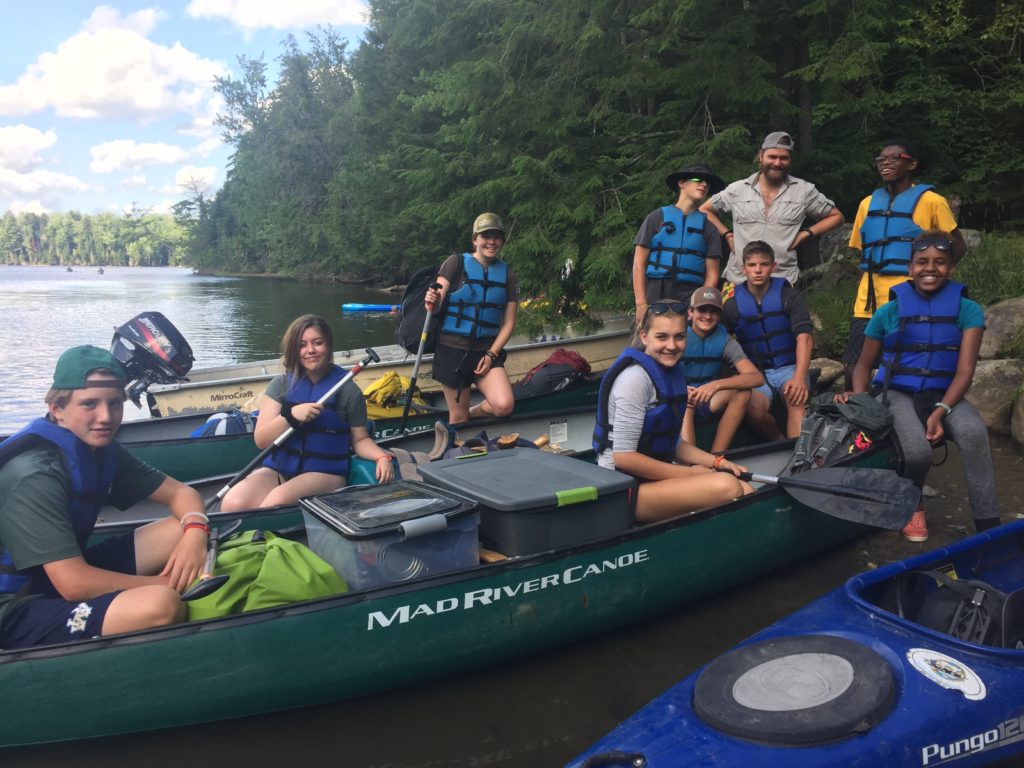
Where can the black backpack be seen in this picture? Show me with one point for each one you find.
(412, 313)
(831, 431)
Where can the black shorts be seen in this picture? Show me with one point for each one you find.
(454, 367)
(855, 341)
(48, 618)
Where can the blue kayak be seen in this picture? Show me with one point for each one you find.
(370, 307)
(918, 663)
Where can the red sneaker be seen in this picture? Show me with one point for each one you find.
(916, 529)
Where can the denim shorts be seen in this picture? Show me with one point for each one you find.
(775, 378)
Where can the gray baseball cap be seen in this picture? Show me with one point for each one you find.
(778, 140)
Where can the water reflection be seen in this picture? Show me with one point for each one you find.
(44, 310)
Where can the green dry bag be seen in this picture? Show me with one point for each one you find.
(266, 570)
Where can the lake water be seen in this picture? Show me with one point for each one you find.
(45, 310)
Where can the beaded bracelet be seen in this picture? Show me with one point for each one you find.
(494, 357)
(201, 515)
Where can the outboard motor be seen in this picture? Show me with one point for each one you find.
(152, 351)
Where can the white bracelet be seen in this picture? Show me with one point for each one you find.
(202, 516)
(943, 406)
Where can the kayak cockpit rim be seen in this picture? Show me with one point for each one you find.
(856, 588)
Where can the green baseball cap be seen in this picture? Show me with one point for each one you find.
(75, 365)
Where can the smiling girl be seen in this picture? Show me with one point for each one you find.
(929, 335)
(315, 459)
(640, 414)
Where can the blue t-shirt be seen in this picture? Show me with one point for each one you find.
(887, 318)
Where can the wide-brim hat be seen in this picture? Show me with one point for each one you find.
(700, 171)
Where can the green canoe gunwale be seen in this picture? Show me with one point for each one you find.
(328, 649)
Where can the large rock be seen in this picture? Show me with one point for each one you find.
(995, 387)
(830, 371)
(1003, 321)
(1017, 421)
(972, 239)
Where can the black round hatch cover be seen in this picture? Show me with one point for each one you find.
(798, 691)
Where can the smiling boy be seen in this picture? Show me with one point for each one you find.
(55, 476)
(709, 351)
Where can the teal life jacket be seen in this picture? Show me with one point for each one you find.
(764, 331)
(703, 357)
(678, 249)
(923, 352)
(322, 445)
(91, 473)
(663, 422)
(477, 309)
(889, 230)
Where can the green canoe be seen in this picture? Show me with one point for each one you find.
(403, 633)
(164, 443)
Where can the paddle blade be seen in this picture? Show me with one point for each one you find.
(877, 497)
(204, 587)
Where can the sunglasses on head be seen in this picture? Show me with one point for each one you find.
(942, 243)
(661, 307)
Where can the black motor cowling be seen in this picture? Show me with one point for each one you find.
(152, 351)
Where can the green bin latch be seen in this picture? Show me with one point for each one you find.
(576, 495)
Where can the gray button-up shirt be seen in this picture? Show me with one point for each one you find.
(778, 227)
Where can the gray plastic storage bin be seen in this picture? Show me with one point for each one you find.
(379, 534)
(532, 501)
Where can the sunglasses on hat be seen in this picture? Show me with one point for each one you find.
(942, 243)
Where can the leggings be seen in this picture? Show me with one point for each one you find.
(963, 427)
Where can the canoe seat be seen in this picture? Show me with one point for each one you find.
(490, 556)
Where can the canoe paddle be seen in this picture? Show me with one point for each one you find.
(419, 359)
(208, 583)
(371, 357)
(877, 497)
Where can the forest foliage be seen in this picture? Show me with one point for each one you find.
(564, 116)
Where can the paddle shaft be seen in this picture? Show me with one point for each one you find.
(419, 359)
(813, 485)
(371, 356)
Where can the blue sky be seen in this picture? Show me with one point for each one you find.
(104, 107)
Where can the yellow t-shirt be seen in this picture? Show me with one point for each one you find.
(932, 212)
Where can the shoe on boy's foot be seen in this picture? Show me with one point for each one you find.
(916, 529)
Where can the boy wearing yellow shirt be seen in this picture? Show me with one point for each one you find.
(887, 222)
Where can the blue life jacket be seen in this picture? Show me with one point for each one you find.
(91, 474)
(765, 331)
(663, 422)
(321, 445)
(703, 357)
(678, 249)
(923, 352)
(477, 308)
(888, 231)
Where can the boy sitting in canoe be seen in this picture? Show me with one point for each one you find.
(709, 348)
(640, 410)
(929, 335)
(56, 475)
(772, 324)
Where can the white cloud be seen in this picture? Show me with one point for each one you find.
(204, 148)
(31, 206)
(41, 183)
(251, 15)
(163, 207)
(190, 178)
(133, 182)
(125, 154)
(110, 70)
(21, 144)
